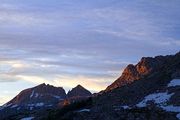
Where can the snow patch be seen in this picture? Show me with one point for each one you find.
(161, 100)
(171, 108)
(36, 95)
(36, 105)
(32, 94)
(158, 98)
(31, 108)
(7, 105)
(178, 116)
(39, 104)
(49, 105)
(125, 107)
(28, 118)
(174, 82)
(14, 106)
(84, 110)
(58, 97)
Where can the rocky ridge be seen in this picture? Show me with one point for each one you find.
(40, 98)
(147, 66)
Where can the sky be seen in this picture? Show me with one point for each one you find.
(88, 42)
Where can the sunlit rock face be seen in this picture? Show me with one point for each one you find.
(146, 66)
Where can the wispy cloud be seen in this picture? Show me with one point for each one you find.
(15, 15)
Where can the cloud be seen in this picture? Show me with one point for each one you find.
(16, 15)
(95, 75)
(7, 78)
(68, 82)
(88, 42)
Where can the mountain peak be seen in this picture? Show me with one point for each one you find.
(46, 86)
(43, 84)
(79, 87)
(145, 67)
(79, 91)
(42, 93)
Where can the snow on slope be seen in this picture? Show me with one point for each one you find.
(158, 98)
(178, 116)
(84, 110)
(162, 98)
(32, 94)
(174, 82)
(28, 118)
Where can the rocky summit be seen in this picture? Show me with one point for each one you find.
(147, 66)
(78, 91)
(40, 98)
(43, 93)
